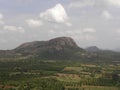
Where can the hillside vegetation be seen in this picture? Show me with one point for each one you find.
(58, 64)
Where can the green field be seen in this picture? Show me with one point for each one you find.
(58, 75)
(91, 88)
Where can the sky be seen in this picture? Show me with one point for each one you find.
(88, 22)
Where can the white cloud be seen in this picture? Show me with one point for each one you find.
(81, 31)
(89, 38)
(1, 16)
(106, 15)
(34, 23)
(3, 40)
(14, 28)
(52, 32)
(118, 31)
(85, 34)
(81, 3)
(56, 14)
(2, 22)
(75, 32)
(113, 2)
(101, 3)
(69, 24)
(1, 19)
(85, 38)
(84, 31)
(89, 30)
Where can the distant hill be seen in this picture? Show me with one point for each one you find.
(103, 54)
(116, 49)
(92, 49)
(57, 48)
(61, 48)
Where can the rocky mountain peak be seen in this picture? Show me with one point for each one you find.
(63, 41)
(60, 47)
(93, 49)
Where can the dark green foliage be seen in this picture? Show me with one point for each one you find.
(35, 74)
(41, 84)
(42, 65)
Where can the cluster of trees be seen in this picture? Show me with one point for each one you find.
(31, 75)
(41, 84)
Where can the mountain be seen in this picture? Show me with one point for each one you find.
(57, 48)
(92, 49)
(116, 49)
(61, 48)
(102, 55)
(6, 53)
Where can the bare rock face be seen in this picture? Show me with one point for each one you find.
(63, 41)
(57, 48)
(57, 43)
(60, 47)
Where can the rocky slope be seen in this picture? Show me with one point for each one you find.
(57, 48)
(61, 48)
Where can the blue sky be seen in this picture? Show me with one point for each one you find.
(88, 22)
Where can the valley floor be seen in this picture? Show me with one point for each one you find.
(37, 74)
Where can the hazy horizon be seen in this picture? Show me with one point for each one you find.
(88, 22)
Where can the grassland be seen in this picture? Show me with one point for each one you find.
(58, 75)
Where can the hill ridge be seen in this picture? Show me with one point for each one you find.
(56, 48)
